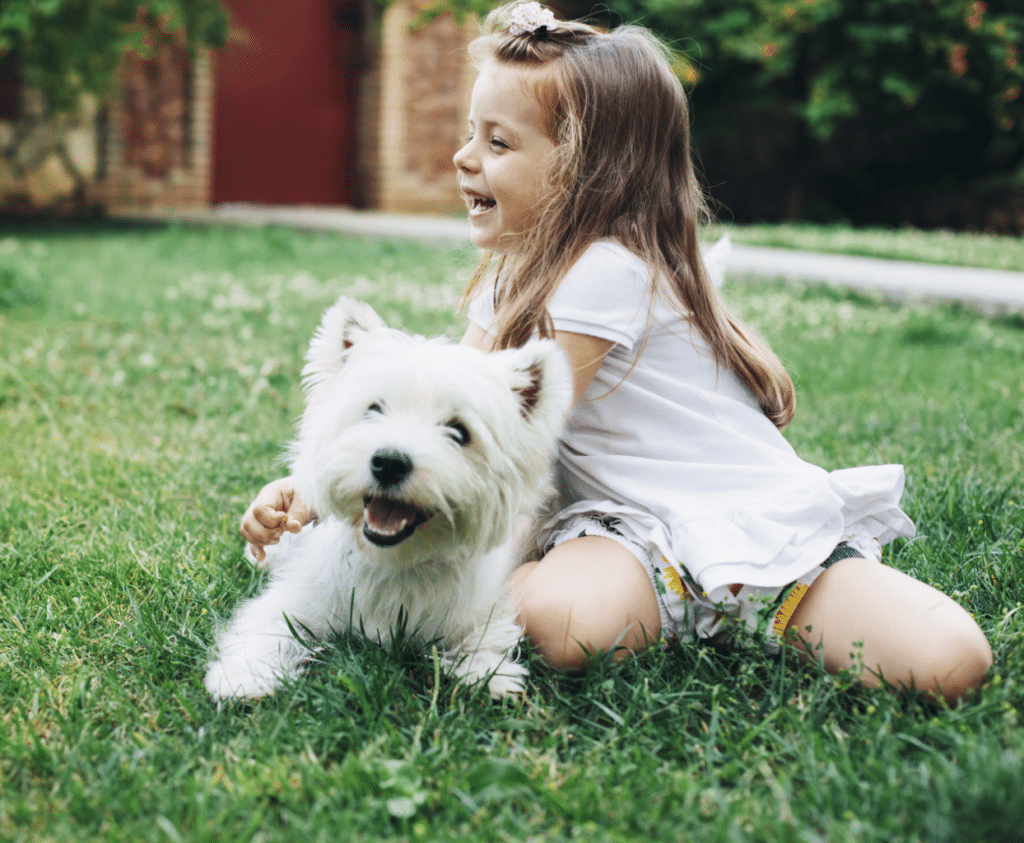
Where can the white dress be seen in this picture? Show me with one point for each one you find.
(676, 447)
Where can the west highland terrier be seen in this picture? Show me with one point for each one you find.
(423, 460)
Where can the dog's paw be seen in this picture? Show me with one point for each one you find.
(504, 676)
(227, 682)
(506, 684)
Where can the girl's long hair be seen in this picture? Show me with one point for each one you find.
(621, 169)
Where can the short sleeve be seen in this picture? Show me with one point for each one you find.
(607, 294)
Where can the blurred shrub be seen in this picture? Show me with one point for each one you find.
(68, 47)
(836, 108)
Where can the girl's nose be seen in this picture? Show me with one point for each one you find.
(463, 159)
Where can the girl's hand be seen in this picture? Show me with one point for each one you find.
(278, 507)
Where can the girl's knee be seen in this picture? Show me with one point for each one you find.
(908, 633)
(958, 661)
(575, 604)
(545, 609)
(558, 621)
(947, 654)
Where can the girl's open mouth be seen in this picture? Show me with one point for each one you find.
(480, 204)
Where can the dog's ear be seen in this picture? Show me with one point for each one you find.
(540, 378)
(343, 325)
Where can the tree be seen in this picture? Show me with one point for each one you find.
(841, 99)
(65, 48)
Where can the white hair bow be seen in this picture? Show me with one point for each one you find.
(529, 17)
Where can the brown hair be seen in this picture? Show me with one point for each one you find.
(621, 169)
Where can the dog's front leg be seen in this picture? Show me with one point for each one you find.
(262, 645)
(272, 636)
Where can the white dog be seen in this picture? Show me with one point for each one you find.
(422, 458)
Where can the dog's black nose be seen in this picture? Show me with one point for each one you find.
(390, 468)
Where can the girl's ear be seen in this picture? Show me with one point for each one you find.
(540, 378)
(343, 325)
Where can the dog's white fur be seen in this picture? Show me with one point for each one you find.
(476, 434)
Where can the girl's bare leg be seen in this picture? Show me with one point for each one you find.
(587, 594)
(871, 618)
(591, 594)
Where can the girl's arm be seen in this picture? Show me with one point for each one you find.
(585, 353)
(477, 337)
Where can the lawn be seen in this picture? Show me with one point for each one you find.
(990, 251)
(148, 384)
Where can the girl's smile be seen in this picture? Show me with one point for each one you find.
(503, 163)
(477, 203)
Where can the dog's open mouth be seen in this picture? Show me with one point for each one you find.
(387, 522)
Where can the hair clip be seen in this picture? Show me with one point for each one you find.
(529, 17)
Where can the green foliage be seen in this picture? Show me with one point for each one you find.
(458, 9)
(845, 58)
(69, 47)
(15, 290)
(830, 105)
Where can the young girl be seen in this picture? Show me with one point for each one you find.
(684, 510)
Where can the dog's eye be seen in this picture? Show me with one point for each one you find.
(374, 409)
(458, 431)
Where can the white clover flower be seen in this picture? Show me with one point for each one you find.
(529, 17)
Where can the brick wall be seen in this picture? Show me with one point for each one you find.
(149, 149)
(425, 83)
(158, 132)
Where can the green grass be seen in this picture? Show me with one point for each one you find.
(988, 251)
(148, 382)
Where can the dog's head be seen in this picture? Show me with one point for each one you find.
(425, 447)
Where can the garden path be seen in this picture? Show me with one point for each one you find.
(992, 291)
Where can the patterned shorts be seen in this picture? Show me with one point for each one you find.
(687, 612)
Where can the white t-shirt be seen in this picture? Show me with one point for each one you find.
(678, 448)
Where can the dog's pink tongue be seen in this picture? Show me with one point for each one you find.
(387, 516)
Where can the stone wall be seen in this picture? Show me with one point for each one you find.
(50, 162)
(147, 149)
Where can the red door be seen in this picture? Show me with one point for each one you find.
(284, 114)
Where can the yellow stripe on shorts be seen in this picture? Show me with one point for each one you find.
(675, 583)
(788, 607)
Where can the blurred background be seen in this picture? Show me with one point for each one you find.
(866, 112)
(888, 112)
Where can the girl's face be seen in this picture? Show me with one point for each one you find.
(502, 165)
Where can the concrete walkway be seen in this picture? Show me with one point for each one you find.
(989, 290)
(992, 291)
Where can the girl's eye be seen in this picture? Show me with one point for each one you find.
(458, 432)
(496, 143)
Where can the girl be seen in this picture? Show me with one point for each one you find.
(684, 510)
